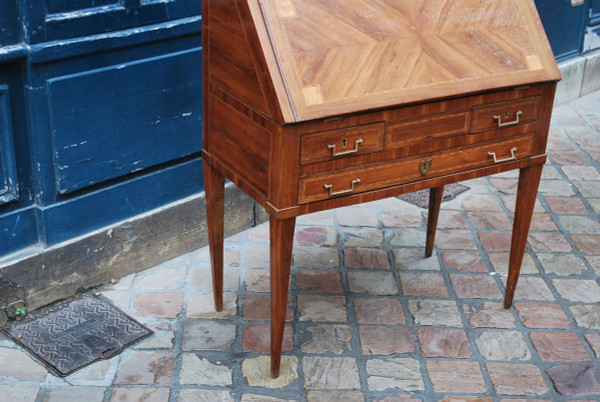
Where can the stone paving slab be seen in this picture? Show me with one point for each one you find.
(370, 319)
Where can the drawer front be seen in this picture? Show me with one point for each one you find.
(352, 181)
(505, 114)
(330, 145)
(424, 129)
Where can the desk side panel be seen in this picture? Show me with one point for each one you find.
(231, 63)
(541, 139)
(240, 147)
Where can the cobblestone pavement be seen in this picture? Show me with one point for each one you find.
(370, 319)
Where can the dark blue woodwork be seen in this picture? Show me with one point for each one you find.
(595, 13)
(12, 53)
(155, 98)
(17, 230)
(18, 224)
(130, 39)
(9, 24)
(8, 168)
(113, 100)
(106, 125)
(120, 201)
(565, 25)
(139, 48)
(61, 6)
(72, 18)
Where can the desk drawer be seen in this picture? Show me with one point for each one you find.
(424, 129)
(365, 178)
(330, 145)
(505, 114)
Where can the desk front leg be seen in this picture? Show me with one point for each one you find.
(282, 240)
(214, 187)
(529, 180)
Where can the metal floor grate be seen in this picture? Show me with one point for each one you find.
(76, 333)
(421, 198)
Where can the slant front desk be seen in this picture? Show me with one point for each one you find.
(317, 104)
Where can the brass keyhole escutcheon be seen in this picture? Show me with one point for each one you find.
(344, 142)
(506, 114)
(424, 166)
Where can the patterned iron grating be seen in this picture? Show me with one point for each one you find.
(76, 333)
(421, 198)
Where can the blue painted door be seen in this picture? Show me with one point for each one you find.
(564, 22)
(17, 218)
(595, 13)
(100, 113)
(8, 173)
(592, 39)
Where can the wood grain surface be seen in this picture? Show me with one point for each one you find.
(340, 57)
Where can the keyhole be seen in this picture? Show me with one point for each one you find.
(506, 114)
(344, 142)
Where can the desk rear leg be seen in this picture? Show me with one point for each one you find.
(214, 184)
(435, 201)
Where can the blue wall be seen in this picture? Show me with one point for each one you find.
(100, 113)
(100, 109)
(595, 13)
(593, 30)
(566, 24)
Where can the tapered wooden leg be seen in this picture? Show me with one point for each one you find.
(529, 180)
(435, 201)
(282, 239)
(214, 187)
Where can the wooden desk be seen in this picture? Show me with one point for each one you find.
(317, 104)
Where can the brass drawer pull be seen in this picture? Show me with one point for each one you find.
(352, 151)
(512, 156)
(333, 194)
(509, 123)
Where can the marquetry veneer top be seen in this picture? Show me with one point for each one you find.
(341, 56)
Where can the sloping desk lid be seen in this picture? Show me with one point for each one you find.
(342, 56)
